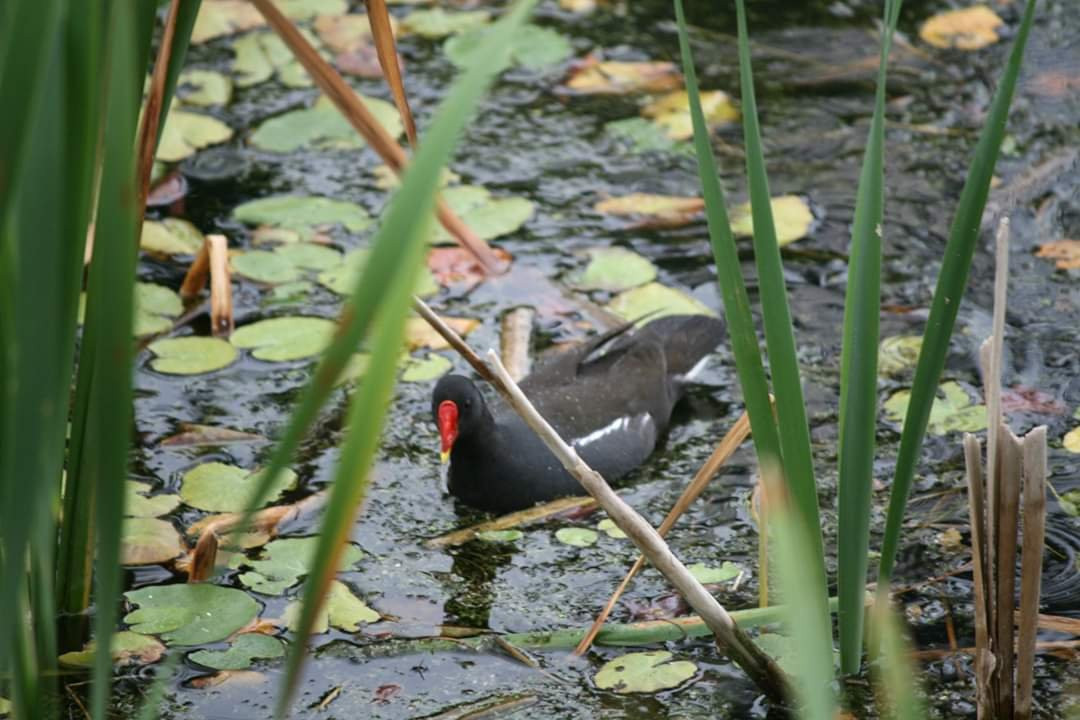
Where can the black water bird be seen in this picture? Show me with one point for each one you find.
(610, 397)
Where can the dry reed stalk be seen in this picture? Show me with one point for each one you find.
(386, 49)
(151, 118)
(513, 520)
(221, 308)
(197, 274)
(720, 455)
(984, 658)
(1009, 497)
(455, 341)
(203, 558)
(990, 353)
(514, 341)
(1031, 569)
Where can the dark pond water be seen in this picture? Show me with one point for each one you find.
(530, 141)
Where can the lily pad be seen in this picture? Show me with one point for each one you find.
(1065, 253)
(608, 526)
(204, 87)
(244, 651)
(956, 411)
(655, 300)
(898, 354)
(284, 561)
(614, 77)
(285, 338)
(1071, 441)
(186, 132)
(662, 206)
(155, 308)
(310, 256)
(138, 504)
(533, 47)
(321, 127)
(672, 112)
(614, 269)
(708, 575)
(418, 334)
(437, 23)
(1070, 502)
(191, 355)
(217, 487)
(343, 610)
(791, 215)
(347, 33)
(499, 536)
(300, 212)
(644, 672)
(578, 537)
(258, 56)
(218, 18)
(191, 613)
(128, 648)
(487, 216)
(430, 368)
(149, 541)
(171, 236)
(342, 279)
(264, 266)
(965, 29)
(643, 136)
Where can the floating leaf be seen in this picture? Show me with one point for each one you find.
(533, 47)
(614, 269)
(672, 112)
(418, 334)
(342, 279)
(264, 266)
(578, 537)
(644, 672)
(190, 613)
(307, 9)
(437, 23)
(499, 536)
(432, 367)
(1065, 253)
(241, 653)
(620, 78)
(674, 206)
(171, 236)
(347, 33)
(898, 354)
(185, 132)
(138, 504)
(238, 679)
(656, 301)
(343, 610)
(1071, 441)
(488, 217)
(458, 268)
(310, 256)
(321, 127)
(284, 561)
(708, 575)
(956, 411)
(204, 87)
(148, 541)
(607, 525)
(966, 29)
(1070, 502)
(127, 648)
(258, 56)
(643, 136)
(791, 215)
(155, 308)
(191, 355)
(193, 434)
(301, 212)
(217, 487)
(285, 338)
(218, 18)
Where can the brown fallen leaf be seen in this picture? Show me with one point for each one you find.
(967, 29)
(656, 210)
(167, 190)
(457, 268)
(672, 112)
(241, 678)
(1066, 253)
(612, 77)
(346, 33)
(218, 18)
(418, 334)
(194, 434)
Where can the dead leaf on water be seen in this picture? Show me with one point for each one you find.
(612, 77)
(194, 434)
(672, 112)
(418, 334)
(791, 214)
(218, 18)
(1066, 253)
(457, 268)
(660, 210)
(967, 29)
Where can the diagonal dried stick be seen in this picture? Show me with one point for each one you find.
(354, 110)
(386, 49)
(730, 442)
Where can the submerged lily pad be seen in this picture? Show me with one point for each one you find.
(191, 355)
(672, 112)
(244, 651)
(149, 541)
(138, 504)
(285, 338)
(499, 536)
(342, 279)
(127, 648)
(186, 132)
(533, 47)
(437, 23)
(642, 136)
(487, 216)
(791, 215)
(171, 236)
(217, 487)
(956, 411)
(264, 266)
(614, 77)
(301, 212)
(968, 28)
(284, 561)
(191, 613)
(608, 526)
(321, 127)
(578, 537)
(614, 269)
(418, 334)
(155, 308)
(204, 87)
(343, 610)
(430, 368)
(898, 354)
(708, 575)
(1071, 441)
(644, 672)
(656, 301)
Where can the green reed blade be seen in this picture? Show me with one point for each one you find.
(893, 670)
(952, 279)
(405, 229)
(858, 374)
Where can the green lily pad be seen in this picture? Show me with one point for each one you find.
(149, 541)
(244, 651)
(614, 269)
(1071, 441)
(607, 525)
(310, 256)
(642, 136)
(533, 47)
(499, 536)
(644, 672)
(955, 412)
(191, 355)
(343, 610)
(308, 9)
(259, 55)
(343, 278)
(791, 215)
(708, 575)
(264, 266)
(430, 368)
(285, 338)
(289, 293)
(578, 537)
(655, 300)
(217, 487)
(138, 504)
(437, 23)
(5, 706)
(297, 212)
(1070, 502)
(190, 613)
(155, 308)
(187, 132)
(898, 354)
(284, 561)
(171, 236)
(487, 216)
(321, 127)
(204, 87)
(128, 648)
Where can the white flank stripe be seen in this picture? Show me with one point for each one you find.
(617, 425)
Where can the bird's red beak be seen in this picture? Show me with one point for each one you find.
(448, 427)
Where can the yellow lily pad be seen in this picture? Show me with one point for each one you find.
(187, 132)
(171, 236)
(655, 301)
(1071, 441)
(672, 112)
(418, 334)
(644, 672)
(954, 412)
(898, 354)
(614, 77)
(204, 87)
(218, 18)
(965, 29)
(791, 215)
(127, 648)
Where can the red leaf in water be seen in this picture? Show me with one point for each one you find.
(1025, 399)
(457, 268)
(385, 693)
(362, 62)
(167, 190)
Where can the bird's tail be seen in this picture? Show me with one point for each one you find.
(686, 340)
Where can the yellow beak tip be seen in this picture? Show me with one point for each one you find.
(444, 456)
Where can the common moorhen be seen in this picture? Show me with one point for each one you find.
(612, 405)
